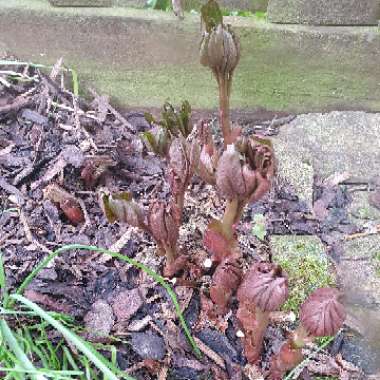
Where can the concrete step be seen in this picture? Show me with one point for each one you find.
(142, 57)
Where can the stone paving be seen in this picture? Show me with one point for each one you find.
(324, 144)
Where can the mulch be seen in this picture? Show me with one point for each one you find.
(50, 138)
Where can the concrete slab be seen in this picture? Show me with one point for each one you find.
(141, 58)
(325, 12)
(335, 142)
(81, 3)
(294, 167)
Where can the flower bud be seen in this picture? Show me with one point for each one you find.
(229, 175)
(220, 49)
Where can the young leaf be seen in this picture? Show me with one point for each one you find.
(211, 15)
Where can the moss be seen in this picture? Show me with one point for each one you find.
(304, 260)
(377, 263)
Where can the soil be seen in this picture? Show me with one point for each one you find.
(48, 137)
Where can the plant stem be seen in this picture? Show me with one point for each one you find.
(253, 343)
(229, 217)
(170, 254)
(224, 108)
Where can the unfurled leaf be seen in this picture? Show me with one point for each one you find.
(287, 358)
(216, 241)
(265, 286)
(322, 314)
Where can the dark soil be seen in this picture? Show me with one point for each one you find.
(46, 137)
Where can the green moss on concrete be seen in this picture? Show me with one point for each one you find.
(304, 260)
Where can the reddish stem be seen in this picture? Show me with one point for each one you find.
(224, 108)
(255, 323)
(290, 354)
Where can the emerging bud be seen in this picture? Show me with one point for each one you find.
(123, 208)
(209, 157)
(183, 158)
(68, 203)
(322, 314)
(163, 227)
(245, 171)
(225, 281)
(265, 285)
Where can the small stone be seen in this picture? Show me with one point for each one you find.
(207, 263)
(148, 345)
(240, 334)
(219, 343)
(126, 304)
(99, 320)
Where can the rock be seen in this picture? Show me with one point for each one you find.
(357, 351)
(219, 343)
(361, 210)
(148, 345)
(359, 270)
(186, 373)
(324, 12)
(99, 320)
(334, 142)
(294, 166)
(359, 273)
(126, 304)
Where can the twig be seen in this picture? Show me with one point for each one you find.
(87, 221)
(118, 116)
(373, 231)
(294, 373)
(18, 103)
(79, 126)
(210, 353)
(29, 235)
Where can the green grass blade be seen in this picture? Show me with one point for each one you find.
(23, 360)
(135, 263)
(100, 362)
(41, 66)
(3, 281)
(75, 82)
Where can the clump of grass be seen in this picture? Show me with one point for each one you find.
(26, 347)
